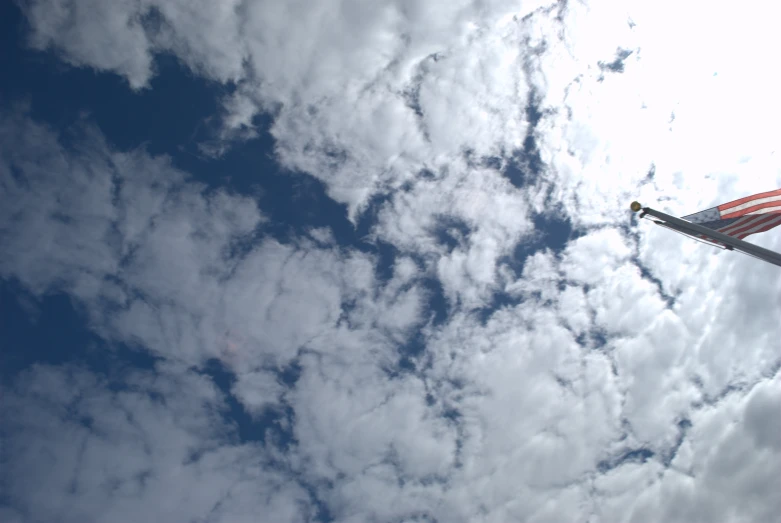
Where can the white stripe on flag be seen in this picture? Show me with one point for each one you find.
(752, 203)
(761, 227)
(741, 222)
(766, 210)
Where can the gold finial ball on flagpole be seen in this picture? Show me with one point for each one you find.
(635, 206)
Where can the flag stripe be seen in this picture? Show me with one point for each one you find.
(765, 226)
(732, 206)
(765, 210)
(752, 207)
(749, 223)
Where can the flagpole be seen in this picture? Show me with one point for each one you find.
(694, 229)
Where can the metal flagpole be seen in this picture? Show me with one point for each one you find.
(694, 229)
(706, 241)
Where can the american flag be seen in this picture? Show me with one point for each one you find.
(740, 218)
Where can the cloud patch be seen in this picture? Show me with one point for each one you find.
(626, 367)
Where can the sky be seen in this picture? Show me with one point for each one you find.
(345, 261)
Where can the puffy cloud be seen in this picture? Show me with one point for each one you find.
(362, 94)
(718, 472)
(524, 413)
(94, 34)
(156, 449)
(630, 368)
(180, 274)
(88, 210)
(462, 222)
(163, 262)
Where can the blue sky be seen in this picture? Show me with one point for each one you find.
(260, 266)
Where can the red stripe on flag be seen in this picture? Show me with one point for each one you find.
(749, 210)
(726, 206)
(766, 226)
(745, 223)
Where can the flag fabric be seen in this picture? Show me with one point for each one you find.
(740, 218)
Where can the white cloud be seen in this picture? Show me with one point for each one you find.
(717, 474)
(156, 450)
(167, 284)
(94, 34)
(343, 78)
(494, 214)
(534, 411)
